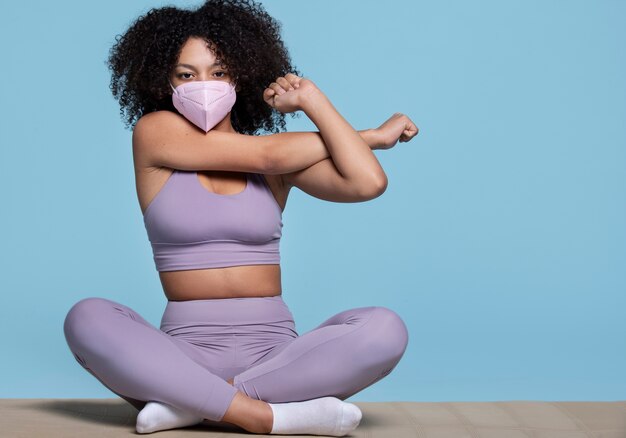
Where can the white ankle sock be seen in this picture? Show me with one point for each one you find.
(157, 416)
(319, 416)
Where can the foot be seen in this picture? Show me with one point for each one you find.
(319, 416)
(156, 416)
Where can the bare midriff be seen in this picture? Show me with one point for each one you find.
(229, 282)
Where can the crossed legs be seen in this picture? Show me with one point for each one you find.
(345, 354)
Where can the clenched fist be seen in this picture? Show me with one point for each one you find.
(289, 92)
(397, 127)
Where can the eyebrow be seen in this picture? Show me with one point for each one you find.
(215, 64)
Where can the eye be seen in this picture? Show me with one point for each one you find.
(222, 72)
(180, 75)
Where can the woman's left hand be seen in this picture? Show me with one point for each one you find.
(397, 127)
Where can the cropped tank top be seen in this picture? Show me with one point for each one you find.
(190, 227)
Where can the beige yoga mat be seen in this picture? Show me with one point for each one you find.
(86, 418)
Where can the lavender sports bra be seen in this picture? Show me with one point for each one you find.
(190, 227)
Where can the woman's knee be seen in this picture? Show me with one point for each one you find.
(83, 315)
(388, 332)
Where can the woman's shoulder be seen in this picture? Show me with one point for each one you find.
(154, 117)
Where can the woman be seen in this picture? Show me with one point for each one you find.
(196, 86)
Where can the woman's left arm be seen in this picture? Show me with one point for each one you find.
(322, 178)
(351, 173)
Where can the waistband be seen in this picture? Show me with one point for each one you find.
(227, 311)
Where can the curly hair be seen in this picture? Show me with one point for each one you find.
(239, 32)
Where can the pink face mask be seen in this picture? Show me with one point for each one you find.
(204, 103)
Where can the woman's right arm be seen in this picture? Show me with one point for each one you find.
(167, 139)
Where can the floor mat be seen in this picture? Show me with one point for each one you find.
(69, 418)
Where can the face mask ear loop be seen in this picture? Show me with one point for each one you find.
(170, 82)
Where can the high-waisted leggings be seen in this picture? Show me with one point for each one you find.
(202, 343)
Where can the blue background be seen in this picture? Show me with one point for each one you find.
(500, 240)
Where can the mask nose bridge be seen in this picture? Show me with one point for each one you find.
(174, 89)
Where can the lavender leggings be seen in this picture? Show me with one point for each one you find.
(203, 343)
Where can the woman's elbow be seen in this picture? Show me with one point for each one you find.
(375, 188)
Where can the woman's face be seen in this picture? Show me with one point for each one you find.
(197, 63)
